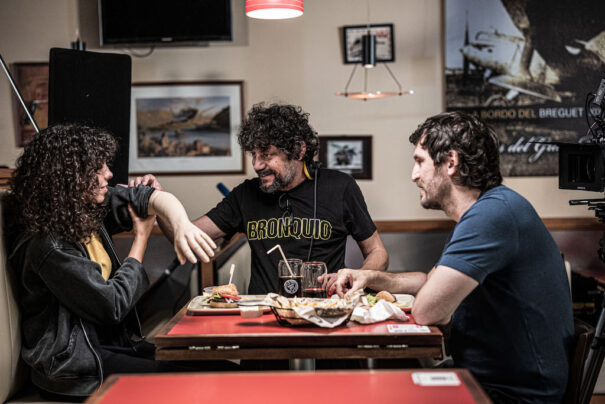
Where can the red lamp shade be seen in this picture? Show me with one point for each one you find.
(274, 9)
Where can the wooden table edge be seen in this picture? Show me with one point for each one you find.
(98, 395)
(473, 386)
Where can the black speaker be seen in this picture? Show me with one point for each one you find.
(93, 89)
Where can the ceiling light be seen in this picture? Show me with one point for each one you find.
(368, 61)
(372, 95)
(274, 9)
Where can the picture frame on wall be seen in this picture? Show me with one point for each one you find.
(186, 128)
(349, 154)
(32, 81)
(352, 42)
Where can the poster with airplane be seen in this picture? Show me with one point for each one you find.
(526, 67)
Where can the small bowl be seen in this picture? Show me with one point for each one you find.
(208, 290)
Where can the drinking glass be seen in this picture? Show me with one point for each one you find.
(290, 284)
(311, 271)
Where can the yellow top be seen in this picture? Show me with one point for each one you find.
(97, 253)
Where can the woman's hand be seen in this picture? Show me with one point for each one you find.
(148, 180)
(189, 241)
(142, 230)
(141, 227)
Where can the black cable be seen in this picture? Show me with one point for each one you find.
(316, 179)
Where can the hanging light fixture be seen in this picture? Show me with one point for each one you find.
(274, 9)
(368, 60)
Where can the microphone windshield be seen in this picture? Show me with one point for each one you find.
(223, 189)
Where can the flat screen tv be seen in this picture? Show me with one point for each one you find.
(176, 22)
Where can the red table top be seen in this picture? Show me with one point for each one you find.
(292, 387)
(184, 330)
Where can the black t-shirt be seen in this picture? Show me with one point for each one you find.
(341, 210)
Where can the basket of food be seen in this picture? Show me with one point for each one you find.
(310, 311)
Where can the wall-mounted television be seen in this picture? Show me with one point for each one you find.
(168, 22)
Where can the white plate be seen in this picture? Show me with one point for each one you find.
(199, 307)
(405, 300)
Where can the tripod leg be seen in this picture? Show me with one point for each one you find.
(594, 361)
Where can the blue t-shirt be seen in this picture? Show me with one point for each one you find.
(515, 330)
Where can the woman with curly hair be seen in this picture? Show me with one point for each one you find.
(79, 321)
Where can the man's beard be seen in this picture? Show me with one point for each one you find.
(279, 182)
(436, 201)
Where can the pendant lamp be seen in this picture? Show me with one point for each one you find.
(368, 61)
(274, 9)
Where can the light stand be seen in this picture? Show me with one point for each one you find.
(596, 354)
(18, 94)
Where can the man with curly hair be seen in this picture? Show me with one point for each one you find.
(77, 300)
(307, 210)
(500, 280)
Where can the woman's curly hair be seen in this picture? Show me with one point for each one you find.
(55, 180)
(476, 143)
(282, 126)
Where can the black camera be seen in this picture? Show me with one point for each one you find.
(582, 164)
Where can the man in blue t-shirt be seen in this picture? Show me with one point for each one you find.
(500, 280)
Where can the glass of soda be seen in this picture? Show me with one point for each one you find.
(290, 284)
(312, 270)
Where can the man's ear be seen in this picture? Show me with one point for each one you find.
(303, 150)
(452, 162)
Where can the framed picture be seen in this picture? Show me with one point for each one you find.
(351, 39)
(186, 128)
(32, 81)
(540, 91)
(349, 154)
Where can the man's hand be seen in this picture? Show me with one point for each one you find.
(327, 280)
(188, 239)
(350, 280)
(148, 180)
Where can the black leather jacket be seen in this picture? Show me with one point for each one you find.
(68, 310)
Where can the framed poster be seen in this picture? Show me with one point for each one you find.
(385, 51)
(186, 128)
(349, 154)
(32, 81)
(527, 71)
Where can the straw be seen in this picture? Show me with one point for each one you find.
(283, 256)
(231, 273)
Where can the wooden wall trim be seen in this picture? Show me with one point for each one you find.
(446, 225)
(5, 175)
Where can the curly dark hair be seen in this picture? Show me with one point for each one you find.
(282, 126)
(476, 144)
(55, 179)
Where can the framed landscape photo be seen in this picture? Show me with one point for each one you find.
(186, 128)
(349, 154)
(32, 81)
(351, 39)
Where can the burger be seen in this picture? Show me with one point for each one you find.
(384, 295)
(224, 297)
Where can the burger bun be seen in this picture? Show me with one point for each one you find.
(384, 295)
(223, 305)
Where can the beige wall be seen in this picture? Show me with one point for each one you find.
(296, 61)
